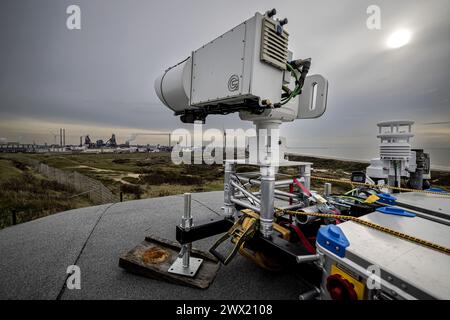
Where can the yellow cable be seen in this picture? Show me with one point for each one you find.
(443, 195)
(372, 225)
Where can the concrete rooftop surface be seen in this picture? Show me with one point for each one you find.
(35, 255)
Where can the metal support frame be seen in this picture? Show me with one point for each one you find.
(245, 192)
(262, 202)
(245, 205)
(253, 181)
(276, 196)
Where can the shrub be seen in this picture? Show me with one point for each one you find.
(158, 178)
(132, 189)
(121, 161)
(19, 165)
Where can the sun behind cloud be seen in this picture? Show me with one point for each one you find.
(399, 38)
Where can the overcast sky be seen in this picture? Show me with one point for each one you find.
(99, 79)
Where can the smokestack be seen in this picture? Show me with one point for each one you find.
(60, 137)
(81, 141)
(64, 137)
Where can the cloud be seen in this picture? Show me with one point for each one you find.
(436, 123)
(102, 75)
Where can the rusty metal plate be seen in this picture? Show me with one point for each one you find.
(153, 257)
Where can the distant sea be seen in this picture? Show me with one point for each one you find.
(440, 157)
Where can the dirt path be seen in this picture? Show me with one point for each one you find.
(115, 175)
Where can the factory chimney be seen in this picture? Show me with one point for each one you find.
(81, 141)
(64, 137)
(60, 137)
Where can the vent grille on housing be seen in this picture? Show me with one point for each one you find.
(274, 47)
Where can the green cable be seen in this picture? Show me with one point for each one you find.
(352, 198)
(289, 67)
(297, 89)
(351, 191)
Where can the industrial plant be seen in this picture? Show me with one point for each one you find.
(87, 145)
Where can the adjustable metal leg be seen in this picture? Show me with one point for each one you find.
(267, 200)
(327, 189)
(184, 264)
(228, 190)
(305, 173)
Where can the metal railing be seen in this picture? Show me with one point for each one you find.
(94, 189)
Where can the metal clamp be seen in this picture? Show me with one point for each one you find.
(184, 264)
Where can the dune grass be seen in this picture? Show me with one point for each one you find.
(30, 195)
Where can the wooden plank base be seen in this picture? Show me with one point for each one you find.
(153, 257)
